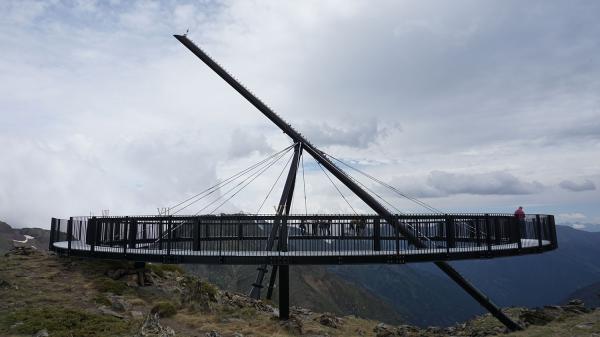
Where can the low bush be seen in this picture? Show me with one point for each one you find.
(164, 309)
(108, 285)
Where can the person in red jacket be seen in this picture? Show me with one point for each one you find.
(520, 214)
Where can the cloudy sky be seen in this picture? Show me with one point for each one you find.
(470, 106)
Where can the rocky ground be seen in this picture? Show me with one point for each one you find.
(45, 295)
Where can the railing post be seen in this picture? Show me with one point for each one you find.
(132, 232)
(488, 232)
(169, 235)
(538, 229)
(220, 239)
(478, 231)
(517, 228)
(397, 233)
(52, 234)
(283, 228)
(92, 233)
(497, 231)
(196, 234)
(552, 231)
(376, 235)
(69, 234)
(160, 234)
(450, 233)
(125, 232)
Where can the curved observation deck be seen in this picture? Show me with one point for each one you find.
(302, 239)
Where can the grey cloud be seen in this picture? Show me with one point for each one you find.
(244, 144)
(496, 183)
(586, 185)
(359, 136)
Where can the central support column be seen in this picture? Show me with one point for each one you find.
(284, 292)
(279, 230)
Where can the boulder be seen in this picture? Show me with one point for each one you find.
(382, 330)
(152, 328)
(41, 333)
(329, 320)
(293, 325)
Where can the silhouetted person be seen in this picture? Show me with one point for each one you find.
(520, 215)
(302, 228)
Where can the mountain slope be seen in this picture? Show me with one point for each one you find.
(312, 287)
(11, 237)
(590, 295)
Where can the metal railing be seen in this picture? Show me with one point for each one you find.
(307, 237)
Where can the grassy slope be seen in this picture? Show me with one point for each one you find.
(63, 295)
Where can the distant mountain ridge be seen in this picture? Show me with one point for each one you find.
(11, 237)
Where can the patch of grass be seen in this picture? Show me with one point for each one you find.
(101, 299)
(160, 269)
(62, 322)
(164, 309)
(108, 285)
(243, 313)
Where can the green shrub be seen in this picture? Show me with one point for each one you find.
(101, 299)
(160, 269)
(107, 285)
(164, 309)
(209, 289)
(62, 322)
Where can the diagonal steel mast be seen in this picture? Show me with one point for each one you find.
(346, 180)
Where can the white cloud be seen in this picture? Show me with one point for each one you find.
(102, 108)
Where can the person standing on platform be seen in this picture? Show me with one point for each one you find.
(520, 215)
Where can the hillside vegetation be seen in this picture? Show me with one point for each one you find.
(60, 296)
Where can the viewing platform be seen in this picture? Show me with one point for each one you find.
(302, 239)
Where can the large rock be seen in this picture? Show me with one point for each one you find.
(153, 328)
(329, 320)
(293, 325)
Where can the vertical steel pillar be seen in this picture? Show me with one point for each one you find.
(283, 208)
(52, 233)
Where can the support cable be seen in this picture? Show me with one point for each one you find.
(334, 185)
(273, 186)
(392, 188)
(225, 182)
(248, 183)
(304, 184)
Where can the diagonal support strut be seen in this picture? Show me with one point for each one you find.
(346, 180)
(279, 230)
